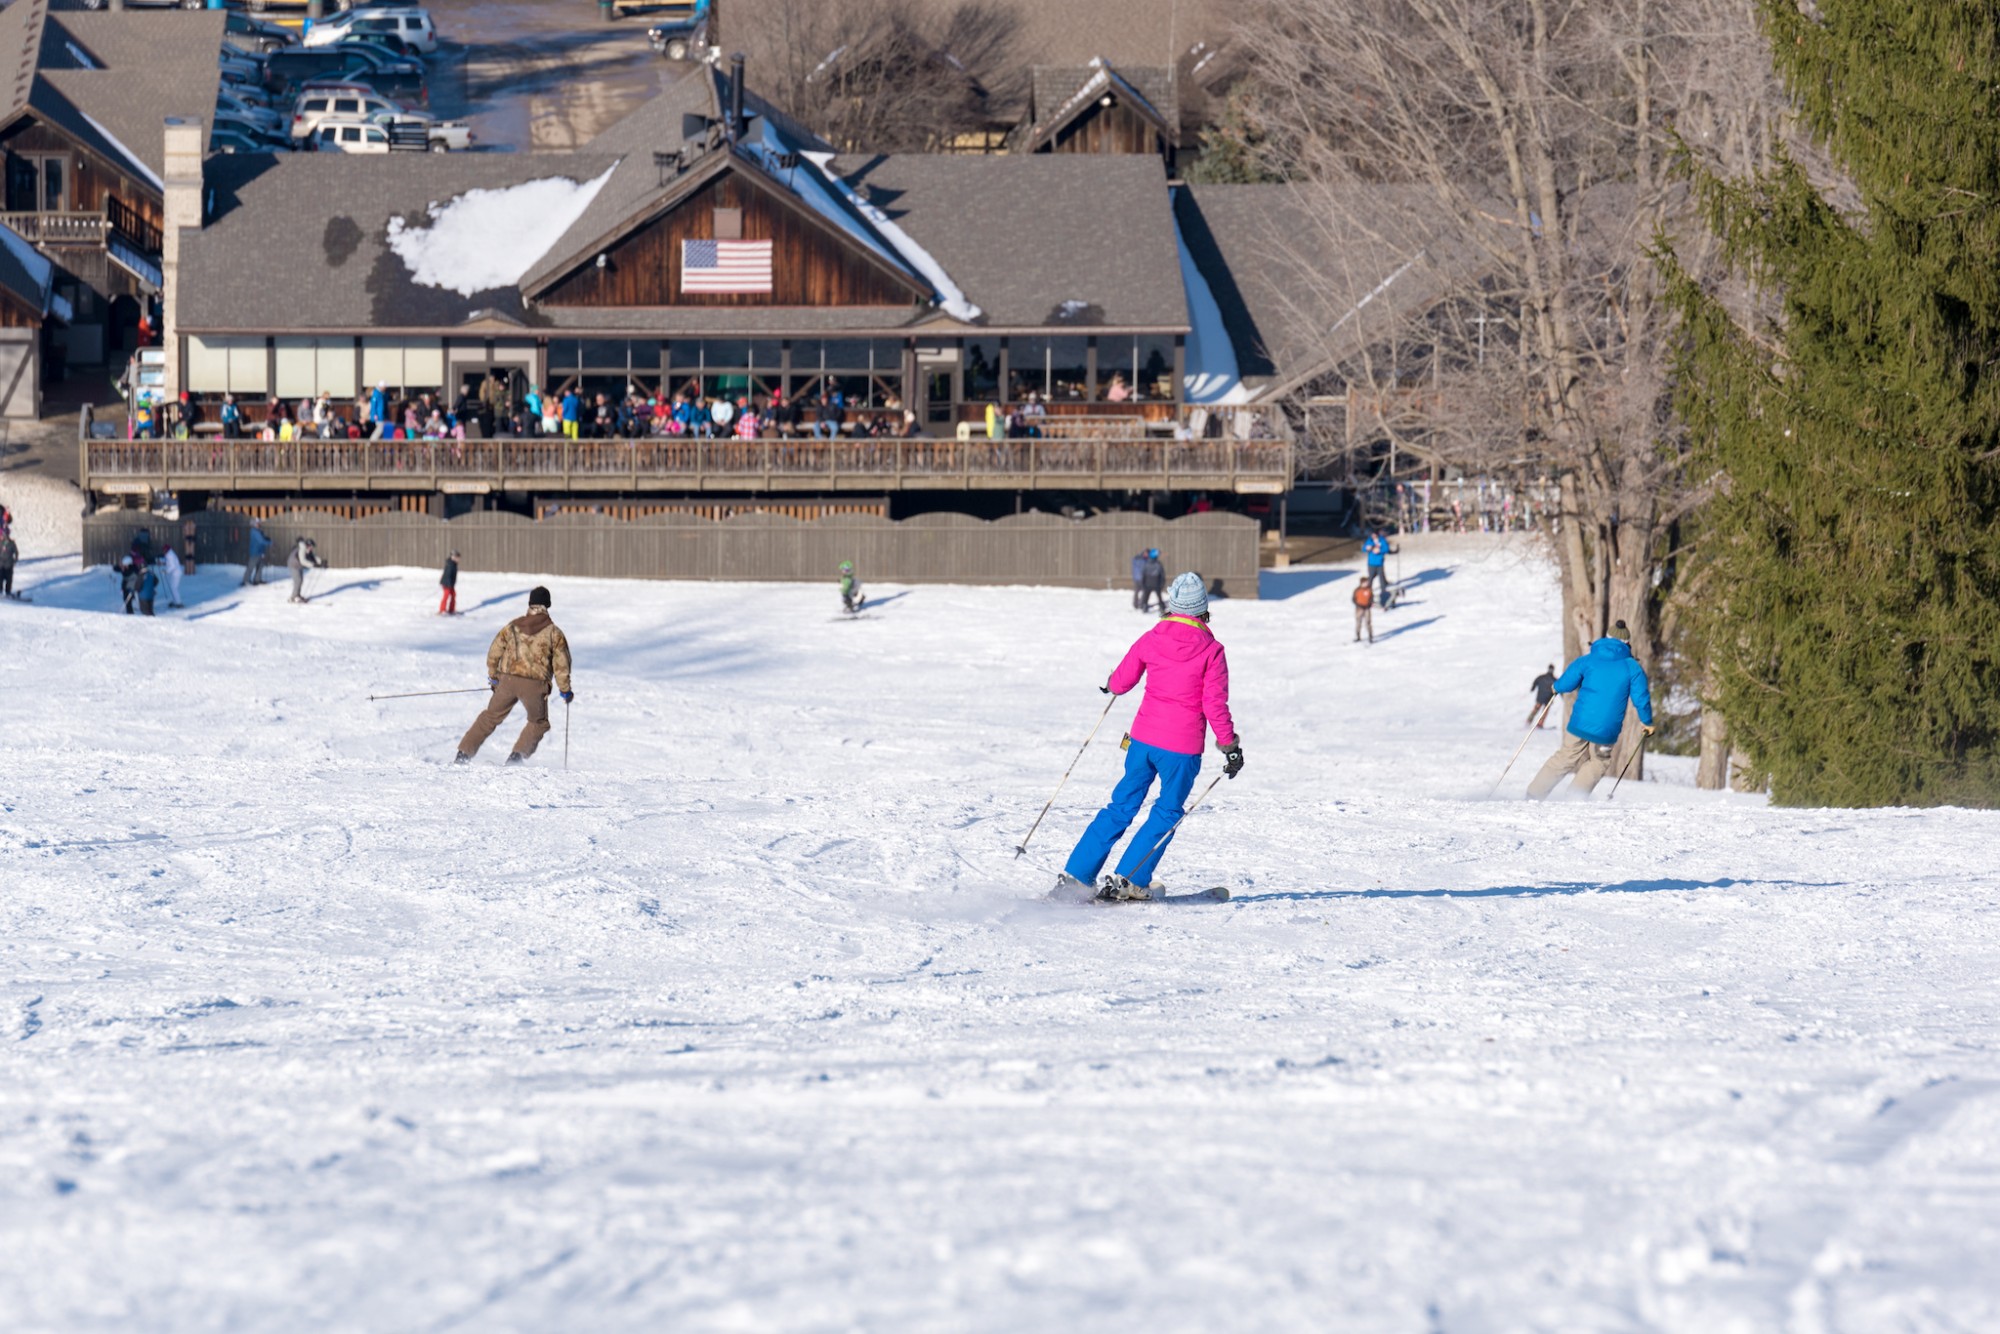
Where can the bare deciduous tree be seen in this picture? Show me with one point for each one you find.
(1517, 158)
(894, 76)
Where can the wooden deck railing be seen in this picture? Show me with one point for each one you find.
(1135, 462)
(59, 229)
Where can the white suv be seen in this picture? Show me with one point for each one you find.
(413, 26)
(316, 104)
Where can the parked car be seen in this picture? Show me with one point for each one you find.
(390, 132)
(353, 62)
(412, 26)
(249, 34)
(231, 141)
(150, 4)
(317, 104)
(225, 120)
(256, 114)
(682, 29)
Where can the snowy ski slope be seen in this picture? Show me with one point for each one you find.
(750, 1019)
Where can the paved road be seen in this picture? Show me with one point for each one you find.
(540, 74)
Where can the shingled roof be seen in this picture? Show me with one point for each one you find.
(1058, 88)
(110, 80)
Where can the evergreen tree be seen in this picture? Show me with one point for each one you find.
(1851, 560)
(1234, 150)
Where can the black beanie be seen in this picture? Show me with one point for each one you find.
(538, 597)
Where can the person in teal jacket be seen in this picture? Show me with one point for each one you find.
(1605, 680)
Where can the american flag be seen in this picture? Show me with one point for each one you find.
(725, 266)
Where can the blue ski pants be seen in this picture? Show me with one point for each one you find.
(1143, 763)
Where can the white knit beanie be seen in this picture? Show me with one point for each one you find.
(1188, 596)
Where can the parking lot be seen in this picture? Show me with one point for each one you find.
(540, 74)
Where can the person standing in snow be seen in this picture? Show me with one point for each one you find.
(129, 578)
(850, 589)
(1139, 582)
(260, 547)
(1364, 610)
(525, 657)
(1187, 695)
(304, 555)
(1378, 550)
(1545, 690)
(149, 589)
(448, 581)
(1604, 680)
(1153, 582)
(10, 555)
(170, 565)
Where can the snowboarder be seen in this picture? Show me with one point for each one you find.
(851, 598)
(448, 581)
(10, 555)
(303, 556)
(170, 564)
(260, 548)
(1364, 611)
(1378, 550)
(1153, 582)
(1187, 694)
(1545, 690)
(1604, 679)
(149, 589)
(527, 654)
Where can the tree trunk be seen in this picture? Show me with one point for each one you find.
(1711, 773)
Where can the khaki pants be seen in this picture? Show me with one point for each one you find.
(533, 696)
(1576, 756)
(1364, 618)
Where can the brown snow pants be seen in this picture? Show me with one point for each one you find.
(1575, 756)
(532, 695)
(1364, 618)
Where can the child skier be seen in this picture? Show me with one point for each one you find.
(1187, 693)
(448, 581)
(1364, 611)
(304, 556)
(851, 599)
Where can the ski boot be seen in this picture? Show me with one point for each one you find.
(461, 758)
(514, 757)
(1071, 890)
(1117, 889)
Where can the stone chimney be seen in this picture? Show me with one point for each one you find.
(185, 143)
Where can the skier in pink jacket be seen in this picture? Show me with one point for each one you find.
(1187, 696)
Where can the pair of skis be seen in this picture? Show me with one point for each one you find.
(1078, 894)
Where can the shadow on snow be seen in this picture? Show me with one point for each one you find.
(1529, 891)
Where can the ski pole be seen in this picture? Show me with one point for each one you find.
(565, 735)
(1628, 764)
(1154, 851)
(1022, 846)
(417, 694)
(1523, 746)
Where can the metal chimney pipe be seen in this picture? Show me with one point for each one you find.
(736, 122)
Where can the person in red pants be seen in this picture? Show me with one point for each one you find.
(448, 581)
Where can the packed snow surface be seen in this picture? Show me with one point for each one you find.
(485, 239)
(750, 1019)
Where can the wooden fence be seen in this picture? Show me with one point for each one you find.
(929, 549)
(632, 466)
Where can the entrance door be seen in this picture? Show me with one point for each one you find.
(941, 399)
(472, 379)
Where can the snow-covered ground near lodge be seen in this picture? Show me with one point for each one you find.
(751, 1020)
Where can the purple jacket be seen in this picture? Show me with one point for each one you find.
(1189, 686)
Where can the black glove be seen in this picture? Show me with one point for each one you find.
(1104, 690)
(568, 695)
(1234, 756)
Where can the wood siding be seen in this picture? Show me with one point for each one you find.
(811, 264)
(92, 180)
(14, 314)
(1112, 129)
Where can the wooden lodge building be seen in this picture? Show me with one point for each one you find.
(702, 245)
(83, 159)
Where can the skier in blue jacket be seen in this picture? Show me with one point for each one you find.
(1377, 550)
(260, 547)
(1604, 679)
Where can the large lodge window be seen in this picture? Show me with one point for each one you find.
(867, 372)
(38, 182)
(1055, 368)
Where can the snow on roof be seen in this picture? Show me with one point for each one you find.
(138, 163)
(1211, 374)
(813, 181)
(485, 239)
(81, 57)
